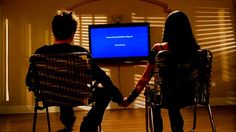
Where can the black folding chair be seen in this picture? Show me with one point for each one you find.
(190, 79)
(60, 79)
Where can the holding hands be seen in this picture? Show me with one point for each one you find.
(127, 101)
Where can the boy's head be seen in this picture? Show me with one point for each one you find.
(64, 25)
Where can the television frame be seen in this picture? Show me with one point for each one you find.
(123, 58)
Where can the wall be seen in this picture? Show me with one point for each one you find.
(29, 28)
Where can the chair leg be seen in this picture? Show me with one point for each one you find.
(35, 119)
(194, 117)
(48, 119)
(151, 120)
(100, 128)
(147, 117)
(211, 118)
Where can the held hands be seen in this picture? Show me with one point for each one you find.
(127, 101)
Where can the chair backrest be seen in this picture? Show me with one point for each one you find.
(62, 78)
(183, 82)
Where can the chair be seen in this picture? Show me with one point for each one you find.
(190, 78)
(60, 79)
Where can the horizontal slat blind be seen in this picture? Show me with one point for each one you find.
(81, 36)
(214, 29)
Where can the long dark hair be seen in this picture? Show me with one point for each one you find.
(178, 34)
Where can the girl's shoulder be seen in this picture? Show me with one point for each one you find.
(160, 46)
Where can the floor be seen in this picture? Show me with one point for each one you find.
(125, 120)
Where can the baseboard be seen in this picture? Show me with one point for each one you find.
(223, 101)
(19, 109)
(16, 109)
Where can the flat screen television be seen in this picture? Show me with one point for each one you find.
(120, 42)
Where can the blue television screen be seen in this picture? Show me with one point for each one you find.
(119, 41)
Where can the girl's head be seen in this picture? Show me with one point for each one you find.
(178, 33)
